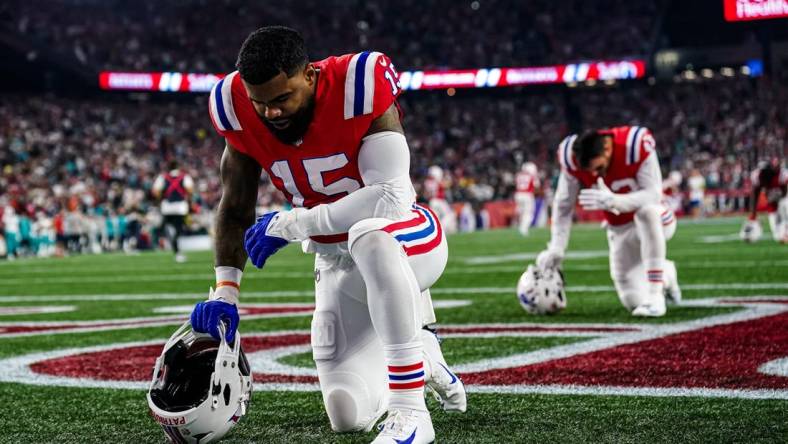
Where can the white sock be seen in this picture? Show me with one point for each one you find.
(648, 223)
(406, 376)
(395, 309)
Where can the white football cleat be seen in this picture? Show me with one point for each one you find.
(650, 310)
(406, 427)
(445, 386)
(671, 279)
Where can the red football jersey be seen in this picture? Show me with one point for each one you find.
(631, 146)
(526, 182)
(352, 90)
(774, 180)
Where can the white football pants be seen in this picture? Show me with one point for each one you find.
(525, 211)
(347, 350)
(637, 246)
(778, 221)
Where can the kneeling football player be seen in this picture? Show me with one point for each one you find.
(616, 170)
(328, 134)
(771, 178)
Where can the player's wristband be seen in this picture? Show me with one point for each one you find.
(228, 284)
(221, 284)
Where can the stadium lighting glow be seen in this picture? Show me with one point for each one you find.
(707, 73)
(410, 80)
(727, 71)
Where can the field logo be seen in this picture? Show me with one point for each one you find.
(743, 354)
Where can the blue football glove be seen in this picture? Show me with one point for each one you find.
(207, 315)
(258, 244)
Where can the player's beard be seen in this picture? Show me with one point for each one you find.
(299, 124)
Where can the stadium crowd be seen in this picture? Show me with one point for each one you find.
(204, 36)
(76, 174)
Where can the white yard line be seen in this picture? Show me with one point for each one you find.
(310, 293)
(604, 267)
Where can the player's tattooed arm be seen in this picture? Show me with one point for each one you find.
(240, 177)
(388, 121)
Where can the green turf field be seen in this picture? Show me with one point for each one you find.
(668, 401)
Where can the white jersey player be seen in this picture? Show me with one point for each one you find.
(671, 190)
(616, 170)
(435, 192)
(697, 193)
(526, 183)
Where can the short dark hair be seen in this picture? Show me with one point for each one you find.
(269, 51)
(589, 145)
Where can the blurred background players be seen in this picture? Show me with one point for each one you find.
(671, 191)
(174, 188)
(697, 192)
(435, 186)
(526, 185)
(616, 170)
(770, 179)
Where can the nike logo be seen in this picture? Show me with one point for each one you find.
(409, 439)
(453, 377)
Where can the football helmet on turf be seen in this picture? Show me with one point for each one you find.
(201, 387)
(751, 231)
(541, 291)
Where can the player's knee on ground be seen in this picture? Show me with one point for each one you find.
(630, 292)
(631, 299)
(350, 404)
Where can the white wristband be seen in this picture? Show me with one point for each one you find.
(228, 284)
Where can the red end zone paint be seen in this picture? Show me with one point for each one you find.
(136, 363)
(719, 353)
(725, 356)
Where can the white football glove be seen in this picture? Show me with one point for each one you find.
(286, 225)
(550, 259)
(600, 198)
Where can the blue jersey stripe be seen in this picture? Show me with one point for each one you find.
(634, 146)
(406, 377)
(407, 237)
(358, 99)
(220, 107)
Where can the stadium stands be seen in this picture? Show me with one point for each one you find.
(205, 35)
(84, 167)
